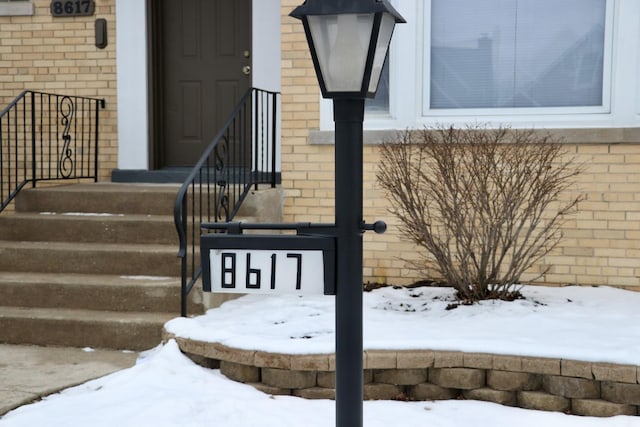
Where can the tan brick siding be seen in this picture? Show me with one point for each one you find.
(601, 243)
(59, 55)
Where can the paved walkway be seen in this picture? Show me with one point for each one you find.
(28, 373)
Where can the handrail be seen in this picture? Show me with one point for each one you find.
(241, 155)
(45, 137)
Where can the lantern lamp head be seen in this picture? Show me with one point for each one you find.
(349, 41)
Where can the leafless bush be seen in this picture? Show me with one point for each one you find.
(485, 204)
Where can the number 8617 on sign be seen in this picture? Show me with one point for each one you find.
(266, 271)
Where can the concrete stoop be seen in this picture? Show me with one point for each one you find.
(92, 265)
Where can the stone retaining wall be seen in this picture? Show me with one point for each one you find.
(581, 388)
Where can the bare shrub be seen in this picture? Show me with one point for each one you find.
(485, 204)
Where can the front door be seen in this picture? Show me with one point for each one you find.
(204, 59)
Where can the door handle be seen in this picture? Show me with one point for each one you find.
(246, 70)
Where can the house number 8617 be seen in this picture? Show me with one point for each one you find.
(72, 7)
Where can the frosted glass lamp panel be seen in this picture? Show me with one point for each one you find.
(341, 43)
(382, 47)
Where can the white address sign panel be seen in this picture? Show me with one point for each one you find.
(267, 271)
(249, 264)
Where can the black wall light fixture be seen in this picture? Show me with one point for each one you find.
(101, 33)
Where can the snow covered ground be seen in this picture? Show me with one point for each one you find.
(584, 323)
(167, 389)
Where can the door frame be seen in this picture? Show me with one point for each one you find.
(155, 87)
(136, 81)
(156, 96)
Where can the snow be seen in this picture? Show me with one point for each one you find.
(595, 324)
(147, 278)
(81, 214)
(166, 389)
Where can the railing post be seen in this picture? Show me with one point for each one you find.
(99, 104)
(255, 95)
(33, 139)
(274, 142)
(2, 198)
(183, 261)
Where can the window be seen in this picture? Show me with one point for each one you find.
(380, 104)
(517, 54)
(521, 63)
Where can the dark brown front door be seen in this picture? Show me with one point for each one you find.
(204, 60)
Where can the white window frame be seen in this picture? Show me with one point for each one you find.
(408, 85)
(479, 112)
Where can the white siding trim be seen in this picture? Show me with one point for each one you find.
(133, 109)
(266, 45)
(22, 8)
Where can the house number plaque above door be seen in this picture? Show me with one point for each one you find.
(64, 8)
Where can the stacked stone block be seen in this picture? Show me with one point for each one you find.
(576, 387)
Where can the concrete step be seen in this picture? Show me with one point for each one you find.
(147, 199)
(74, 261)
(104, 228)
(89, 258)
(92, 292)
(81, 328)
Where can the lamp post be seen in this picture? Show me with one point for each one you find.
(349, 41)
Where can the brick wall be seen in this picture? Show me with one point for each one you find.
(58, 55)
(602, 242)
(309, 172)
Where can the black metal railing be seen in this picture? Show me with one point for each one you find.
(45, 137)
(242, 155)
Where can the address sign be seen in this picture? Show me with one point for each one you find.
(63, 8)
(268, 264)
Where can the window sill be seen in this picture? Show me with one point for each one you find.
(569, 136)
(371, 137)
(22, 8)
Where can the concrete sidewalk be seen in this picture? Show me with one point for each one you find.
(28, 373)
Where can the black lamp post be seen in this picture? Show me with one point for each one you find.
(349, 41)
